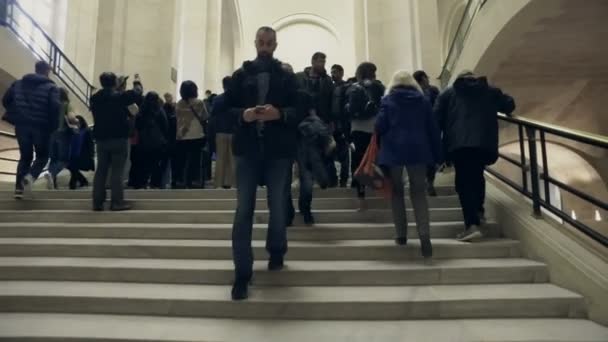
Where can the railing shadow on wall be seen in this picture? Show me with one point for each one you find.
(464, 27)
(31, 34)
(536, 176)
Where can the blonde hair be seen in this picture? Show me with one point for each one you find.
(403, 78)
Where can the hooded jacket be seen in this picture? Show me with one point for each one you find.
(467, 114)
(34, 101)
(274, 139)
(321, 90)
(407, 129)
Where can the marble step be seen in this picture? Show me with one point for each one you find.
(297, 273)
(18, 327)
(201, 194)
(210, 216)
(319, 232)
(216, 204)
(222, 250)
(298, 302)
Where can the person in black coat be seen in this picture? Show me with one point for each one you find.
(467, 114)
(170, 112)
(111, 131)
(82, 155)
(151, 124)
(319, 85)
(33, 106)
(262, 97)
(431, 92)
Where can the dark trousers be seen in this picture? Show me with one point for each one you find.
(249, 173)
(311, 169)
(343, 157)
(431, 171)
(111, 155)
(469, 165)
(158, 175)
(30, 139)
(361, 141)
(137, 168)
(417, 182)
(173, 164)
(291, 211)
(188, 163)
(77, 177)
(150, 168)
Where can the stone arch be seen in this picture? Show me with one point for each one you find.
(309, 18)
(294, 27)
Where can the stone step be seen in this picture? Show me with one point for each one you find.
(210, 216)
(214, 249)
(17, 327)
(215, 204)
(320, 232)
(201, 194)
(301, 302)
(297, 273)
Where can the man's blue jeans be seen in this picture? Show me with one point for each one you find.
(250, 172)
(30, 139)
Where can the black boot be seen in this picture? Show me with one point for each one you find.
(426, 248)
(276, 263)
(309, 220)
(402, 241)
(240, 289)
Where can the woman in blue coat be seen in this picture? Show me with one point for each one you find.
(409, 139)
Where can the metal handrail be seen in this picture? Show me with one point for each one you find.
(55, 56)
(457, 44)
(536, 132)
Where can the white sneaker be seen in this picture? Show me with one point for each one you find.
(470, 234)
(28, 182)
(50, 183)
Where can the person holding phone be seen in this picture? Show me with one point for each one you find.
(262, 97)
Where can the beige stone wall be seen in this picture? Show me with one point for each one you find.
(136, 36)
(81, 35)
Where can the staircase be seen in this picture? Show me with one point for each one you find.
(163, 272)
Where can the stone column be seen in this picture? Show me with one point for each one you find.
(192, 42)
(109, 52)
(213, 47)
(392, 36)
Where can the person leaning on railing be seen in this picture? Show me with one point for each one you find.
(467, 114)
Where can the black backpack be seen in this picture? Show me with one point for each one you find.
(362, 103)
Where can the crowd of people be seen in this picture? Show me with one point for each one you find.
(269, 126)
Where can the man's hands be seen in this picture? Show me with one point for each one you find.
(261, 113)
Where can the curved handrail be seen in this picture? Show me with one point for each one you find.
(536, 172)
(569, 133)
(55, 55)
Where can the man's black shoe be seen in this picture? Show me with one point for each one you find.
(402, 241)
(426, 248)
(309, 220)
(276, 263)
(240, 290)
(121, 207)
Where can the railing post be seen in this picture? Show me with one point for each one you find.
(531, 133)
(4, 12)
